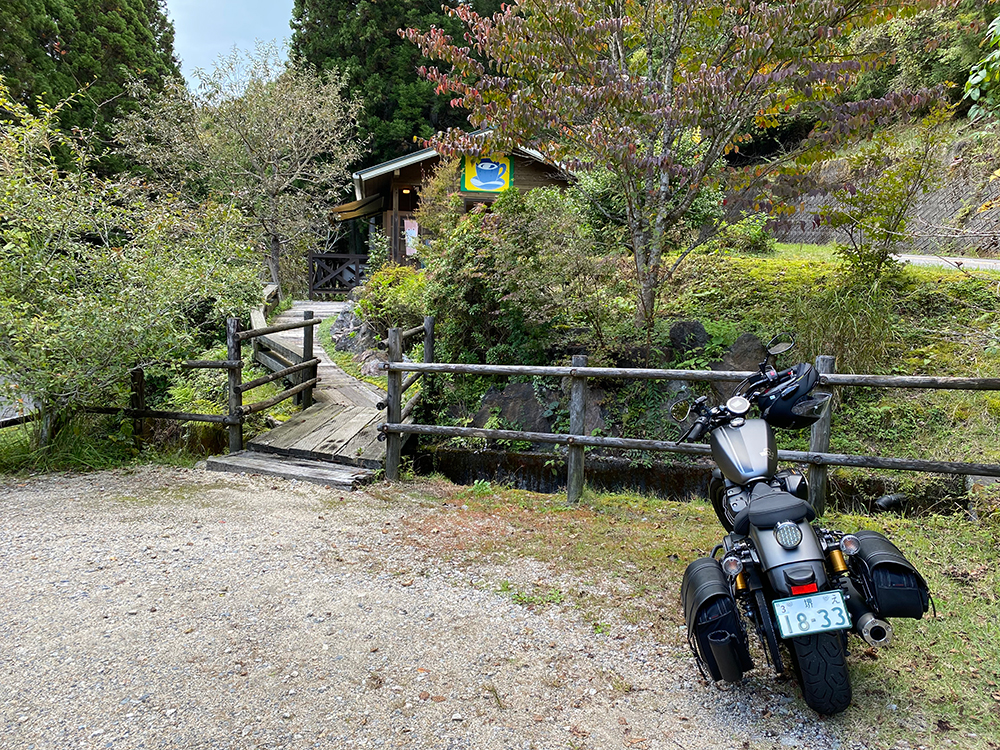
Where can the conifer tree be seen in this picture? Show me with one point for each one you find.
(360, 37)
(51, 48)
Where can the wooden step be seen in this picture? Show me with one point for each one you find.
(290, 467)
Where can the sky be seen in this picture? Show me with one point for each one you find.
(205, 29)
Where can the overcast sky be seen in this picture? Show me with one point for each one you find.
(205, 29)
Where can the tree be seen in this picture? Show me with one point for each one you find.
(31, 49)
(658, 92)
(871, 209)
(274, 137)
(983, 86)
(98, 276)
(50, 49)
(359, 37)
(936, 46)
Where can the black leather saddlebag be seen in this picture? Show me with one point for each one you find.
(891, 584)
(715, 632)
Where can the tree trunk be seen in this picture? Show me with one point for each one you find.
(48, 427)
(273, 260)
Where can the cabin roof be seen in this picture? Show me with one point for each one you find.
(363, 176)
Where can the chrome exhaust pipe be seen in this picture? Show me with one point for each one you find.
(876, 632)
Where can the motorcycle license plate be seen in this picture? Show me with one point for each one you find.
(813, 613)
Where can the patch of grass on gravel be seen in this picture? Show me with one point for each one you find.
(936, 686)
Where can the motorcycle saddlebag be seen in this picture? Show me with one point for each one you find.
(715, 632)
(891, 584)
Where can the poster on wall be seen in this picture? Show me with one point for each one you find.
(486, 174)
(411, 232)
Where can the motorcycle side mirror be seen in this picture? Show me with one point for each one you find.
(780, 344)
(680, 409)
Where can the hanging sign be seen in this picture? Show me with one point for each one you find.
(486, 174)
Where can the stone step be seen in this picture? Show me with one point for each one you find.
(289, 467)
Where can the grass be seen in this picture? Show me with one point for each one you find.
(801, 251)
(618, 561)
(88, 443)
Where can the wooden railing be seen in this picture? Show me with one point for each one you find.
(283, 362)
(576, 441)
(396, 387)
(335, 273)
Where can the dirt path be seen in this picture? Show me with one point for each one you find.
(176, 608)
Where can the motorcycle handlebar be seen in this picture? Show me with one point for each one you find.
(697, 431)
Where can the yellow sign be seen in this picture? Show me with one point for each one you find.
(486, 174)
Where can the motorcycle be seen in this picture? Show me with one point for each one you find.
(796, 583)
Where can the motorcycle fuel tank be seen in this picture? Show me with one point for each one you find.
(745, 452)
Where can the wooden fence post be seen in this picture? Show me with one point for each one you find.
(233, 354)
(307, 354)
(137, 401)
(429, 338)
(819, 442)
(577, 412)
(428, 379)
(394, 407)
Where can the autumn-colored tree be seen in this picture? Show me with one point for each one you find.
(656, 91)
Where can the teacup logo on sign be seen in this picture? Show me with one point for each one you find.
(486, 174)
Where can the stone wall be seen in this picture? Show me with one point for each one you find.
(946, 220)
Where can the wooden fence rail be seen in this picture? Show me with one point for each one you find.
(283, 361)
(817, 456)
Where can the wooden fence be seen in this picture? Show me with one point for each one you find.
(396, 411)
(335, 273)
(283, 362)
(576, 441)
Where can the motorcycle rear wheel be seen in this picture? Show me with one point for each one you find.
(821, 663)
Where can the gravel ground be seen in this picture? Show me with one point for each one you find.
(177, 608)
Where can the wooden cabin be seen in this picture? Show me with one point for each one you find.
(389, 193)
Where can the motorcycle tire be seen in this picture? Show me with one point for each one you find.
(821, 663)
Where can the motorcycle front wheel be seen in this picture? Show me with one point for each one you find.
(821, 663)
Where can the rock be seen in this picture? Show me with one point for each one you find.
(516, 408)
(371, 363)
(688, 336)
(593, 417)
(351, 334)
(746, 353)
(357, 340)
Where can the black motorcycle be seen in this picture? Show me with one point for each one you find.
(794, 582)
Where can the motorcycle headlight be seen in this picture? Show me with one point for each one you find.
(788, 534)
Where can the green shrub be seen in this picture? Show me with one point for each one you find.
(520, 279)
(749, 235)
(393, 297)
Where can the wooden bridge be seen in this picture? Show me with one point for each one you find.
(334, 441)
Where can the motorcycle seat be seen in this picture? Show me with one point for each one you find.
(769, 508)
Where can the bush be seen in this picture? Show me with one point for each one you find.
(98, 276)
(393, 297)
(749, 235)
(513, 282)
(871, 210)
